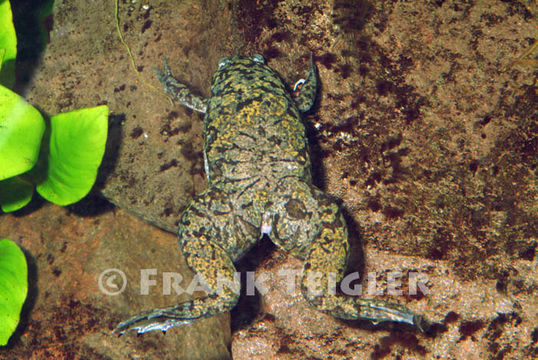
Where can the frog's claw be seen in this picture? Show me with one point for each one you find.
(379, 311)
(168, 317)
(143, 323)
(307, 95)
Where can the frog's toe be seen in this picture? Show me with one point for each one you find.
(422, 324)
(149, 321)
(163, 75)
(166, 66)
(298, 84)
(160, 74)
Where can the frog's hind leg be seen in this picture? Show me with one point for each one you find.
(307, 94)
(179, 91)
(199, 231)
(325, 264)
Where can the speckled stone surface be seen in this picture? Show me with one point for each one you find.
(425, 129)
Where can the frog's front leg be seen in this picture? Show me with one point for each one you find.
(201, 226)
(307, 95)
(179, 91)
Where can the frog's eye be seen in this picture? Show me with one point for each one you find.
(223, 62)
(258, 58)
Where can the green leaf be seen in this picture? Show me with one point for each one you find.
(8, 42)
(77, 146)
(15, 193)
(13, 287)
(21, 129)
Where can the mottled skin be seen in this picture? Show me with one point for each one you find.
(260, 182)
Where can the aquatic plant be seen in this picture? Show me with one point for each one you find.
(8, 45)
(61, 160)
(13, 287)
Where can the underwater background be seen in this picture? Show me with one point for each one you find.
(425, 128)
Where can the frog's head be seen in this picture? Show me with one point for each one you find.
(241, 59)
(238, 71)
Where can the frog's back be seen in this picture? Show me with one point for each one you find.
(254, 134)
